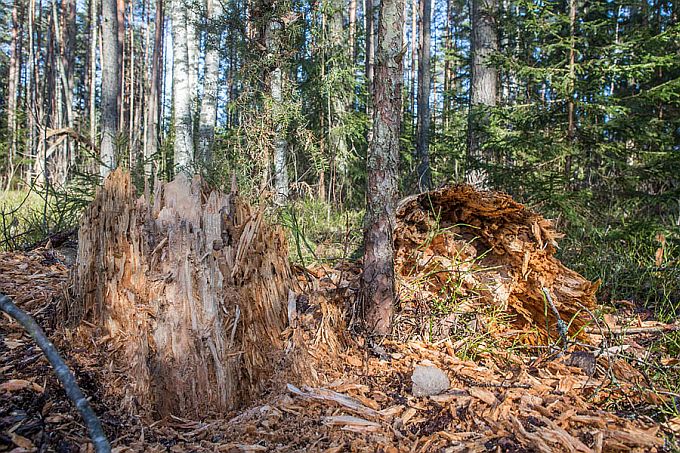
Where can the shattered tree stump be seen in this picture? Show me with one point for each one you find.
(492, 250)
(190, 292)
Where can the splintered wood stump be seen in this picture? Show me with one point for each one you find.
(459, 246)
(190, 291)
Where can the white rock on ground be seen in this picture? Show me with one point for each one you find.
(429, 380)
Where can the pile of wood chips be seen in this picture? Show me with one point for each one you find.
(356, 396)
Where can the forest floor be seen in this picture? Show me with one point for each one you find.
(502, 402)
(505, 395)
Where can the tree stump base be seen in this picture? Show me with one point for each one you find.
(190, 292)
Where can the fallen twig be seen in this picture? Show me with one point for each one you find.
(99, 440)
(639, 330)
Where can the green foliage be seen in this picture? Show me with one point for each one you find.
(320, 233)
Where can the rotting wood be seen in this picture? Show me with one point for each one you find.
(487, 246)
(191, 291)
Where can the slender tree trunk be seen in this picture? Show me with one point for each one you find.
(153, 110)
(371, 6)
(424, 85)
(184, 139)
(276, 87)
(339, 98)
(94, 27)
(483, 86)
(571, 122)
(110, 86)
(13, 87)
(448, 73)
(377, 281)
(414, 61)
(352, 30)
(121, 62)
(206, 126)
(31, 102)
(192, 39)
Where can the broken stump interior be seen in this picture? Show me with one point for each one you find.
(188, 290)
(468, 248)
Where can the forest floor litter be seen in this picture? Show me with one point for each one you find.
(500, 379)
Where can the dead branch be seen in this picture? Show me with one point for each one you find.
(68, 381)
(639, 330)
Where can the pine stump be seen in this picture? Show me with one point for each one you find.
(189, 290)
(458, 246)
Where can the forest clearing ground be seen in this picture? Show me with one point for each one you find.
(360, 401)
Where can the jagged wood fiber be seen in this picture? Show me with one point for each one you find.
(497, 249)
(190, 292)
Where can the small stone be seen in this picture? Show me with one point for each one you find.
(429, 380)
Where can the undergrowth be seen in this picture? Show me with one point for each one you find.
(29, 216)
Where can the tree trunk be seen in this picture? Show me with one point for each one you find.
(13, 88)
(371, 6)
(571, 122)
(153, 106)
(110, 86)
(190, 292)
(184, 137)
(206, 127)
(94, 27)
(352, 31)
(276, 87)
(483, 86)
(414, 62)
(339, 97)
(424, 85)
(192, 40)
(377, 281)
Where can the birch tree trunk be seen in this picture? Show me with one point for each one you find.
(208, 117)
(483, 85)
(276, 87)
(184, 137)
(424, 84)
(377, 280)
(110, 86)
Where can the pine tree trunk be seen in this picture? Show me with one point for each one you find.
(377, 281)
(206, 126)
(190, 291)
(483, 86)
(110, 86)
(184, 138)
(424, 85)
